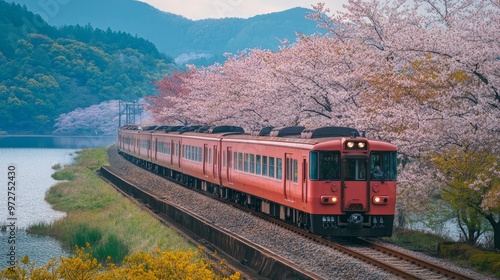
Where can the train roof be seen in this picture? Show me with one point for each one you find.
(270, 135)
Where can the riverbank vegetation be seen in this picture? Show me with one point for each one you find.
(111, 234)
(96, 213)
(481, 260)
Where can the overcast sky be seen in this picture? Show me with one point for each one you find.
(202, 9)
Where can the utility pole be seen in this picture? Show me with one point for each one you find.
(130, 110)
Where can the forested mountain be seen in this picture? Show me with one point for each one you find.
(46, 71)
(198, 42)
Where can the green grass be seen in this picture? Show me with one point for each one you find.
(96, 213)
(417, 240)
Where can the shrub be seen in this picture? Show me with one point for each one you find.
(113, 248)
(82, 265)
(484, 261)
(84, 235)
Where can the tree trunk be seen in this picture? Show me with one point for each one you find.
(496, 230)
(496, 235)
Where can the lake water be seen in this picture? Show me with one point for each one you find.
(33, 170)
(57, 142)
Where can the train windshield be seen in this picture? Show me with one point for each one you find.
(324, 165)
(355, 169)
(383, 166)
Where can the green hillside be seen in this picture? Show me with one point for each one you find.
(199, 42)
(46, 71)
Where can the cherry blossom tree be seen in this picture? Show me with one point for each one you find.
(173, 91)
(423, 74)
(440, 65)
(99, 119)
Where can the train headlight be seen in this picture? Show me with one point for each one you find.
(329, 199)
(378, 199)
(355, 145)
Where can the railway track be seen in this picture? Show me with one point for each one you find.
(266, 264)
(395, 262)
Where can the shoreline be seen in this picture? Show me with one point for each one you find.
(97, 213)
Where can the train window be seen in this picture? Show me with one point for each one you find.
(223, 158)
(257, 164)
(246, 163)
(200, 158)
(288, 169)
(235, 161)
(279, 168)
(324, 165)
(271, 167)
(383, 166)
(252, 163)
(355, 169)
(295, 171)
(144, 144)
(240, 161)
(264, 165)
(210, 155)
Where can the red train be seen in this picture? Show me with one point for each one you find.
(329, 180)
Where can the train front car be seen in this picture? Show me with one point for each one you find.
(352, 184)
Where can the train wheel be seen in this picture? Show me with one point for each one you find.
(216, 191)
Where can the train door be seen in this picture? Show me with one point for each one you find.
(355, 184)
(178, 152)
(205, 159)
(215, 165)
(289, 175)
(172, 152)
(229, 163)
(155, 149)
(304, 180)
(150, 149)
